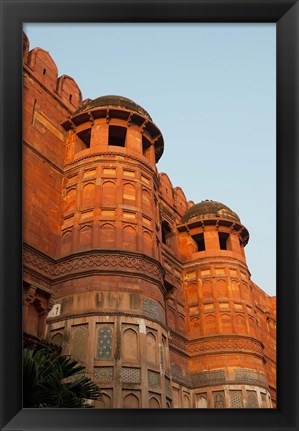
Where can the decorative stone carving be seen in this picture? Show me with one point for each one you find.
(153, 309)
(252, 402)
(110, 153)
(103, 374)
(208, 378)
(29, 295)
(179, 376)
(178, 342)
(219, 401)
(253, 377)
(225, 343)
(236, 399)
(104, 344)
(93, 261)
(153, 378)
(130, 375)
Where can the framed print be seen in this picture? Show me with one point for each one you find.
(105, 264)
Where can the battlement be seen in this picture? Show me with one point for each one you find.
(40, 65)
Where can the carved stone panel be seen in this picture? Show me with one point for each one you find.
(153, 378)
(79, 344)
(219, 400)
(130, 375)
(252, 402)
(153, 309)
(206, 378)
(236, 399)
(104, 374)
(104, 343)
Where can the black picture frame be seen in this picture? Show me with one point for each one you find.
(285, 14)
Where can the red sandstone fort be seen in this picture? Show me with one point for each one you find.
(150, 291)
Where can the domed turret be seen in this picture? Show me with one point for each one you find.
(213, 226)
(118, 101)
(209, 209)
(113, 123)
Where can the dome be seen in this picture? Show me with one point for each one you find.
(209, 209)
(117, 101)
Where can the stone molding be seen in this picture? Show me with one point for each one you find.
(145, 316)
(219, 377)
(216, 344)
(101, 261)
(110, 153)
(225, 344)
(212, 260)
(179, 342)
(208, 378)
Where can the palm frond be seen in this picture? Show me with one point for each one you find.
(51, 381)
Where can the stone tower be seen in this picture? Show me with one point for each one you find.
(226, 348)
(112, 301)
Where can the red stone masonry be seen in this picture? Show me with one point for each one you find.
(150, 291)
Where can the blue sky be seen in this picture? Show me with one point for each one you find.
(211, 89)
